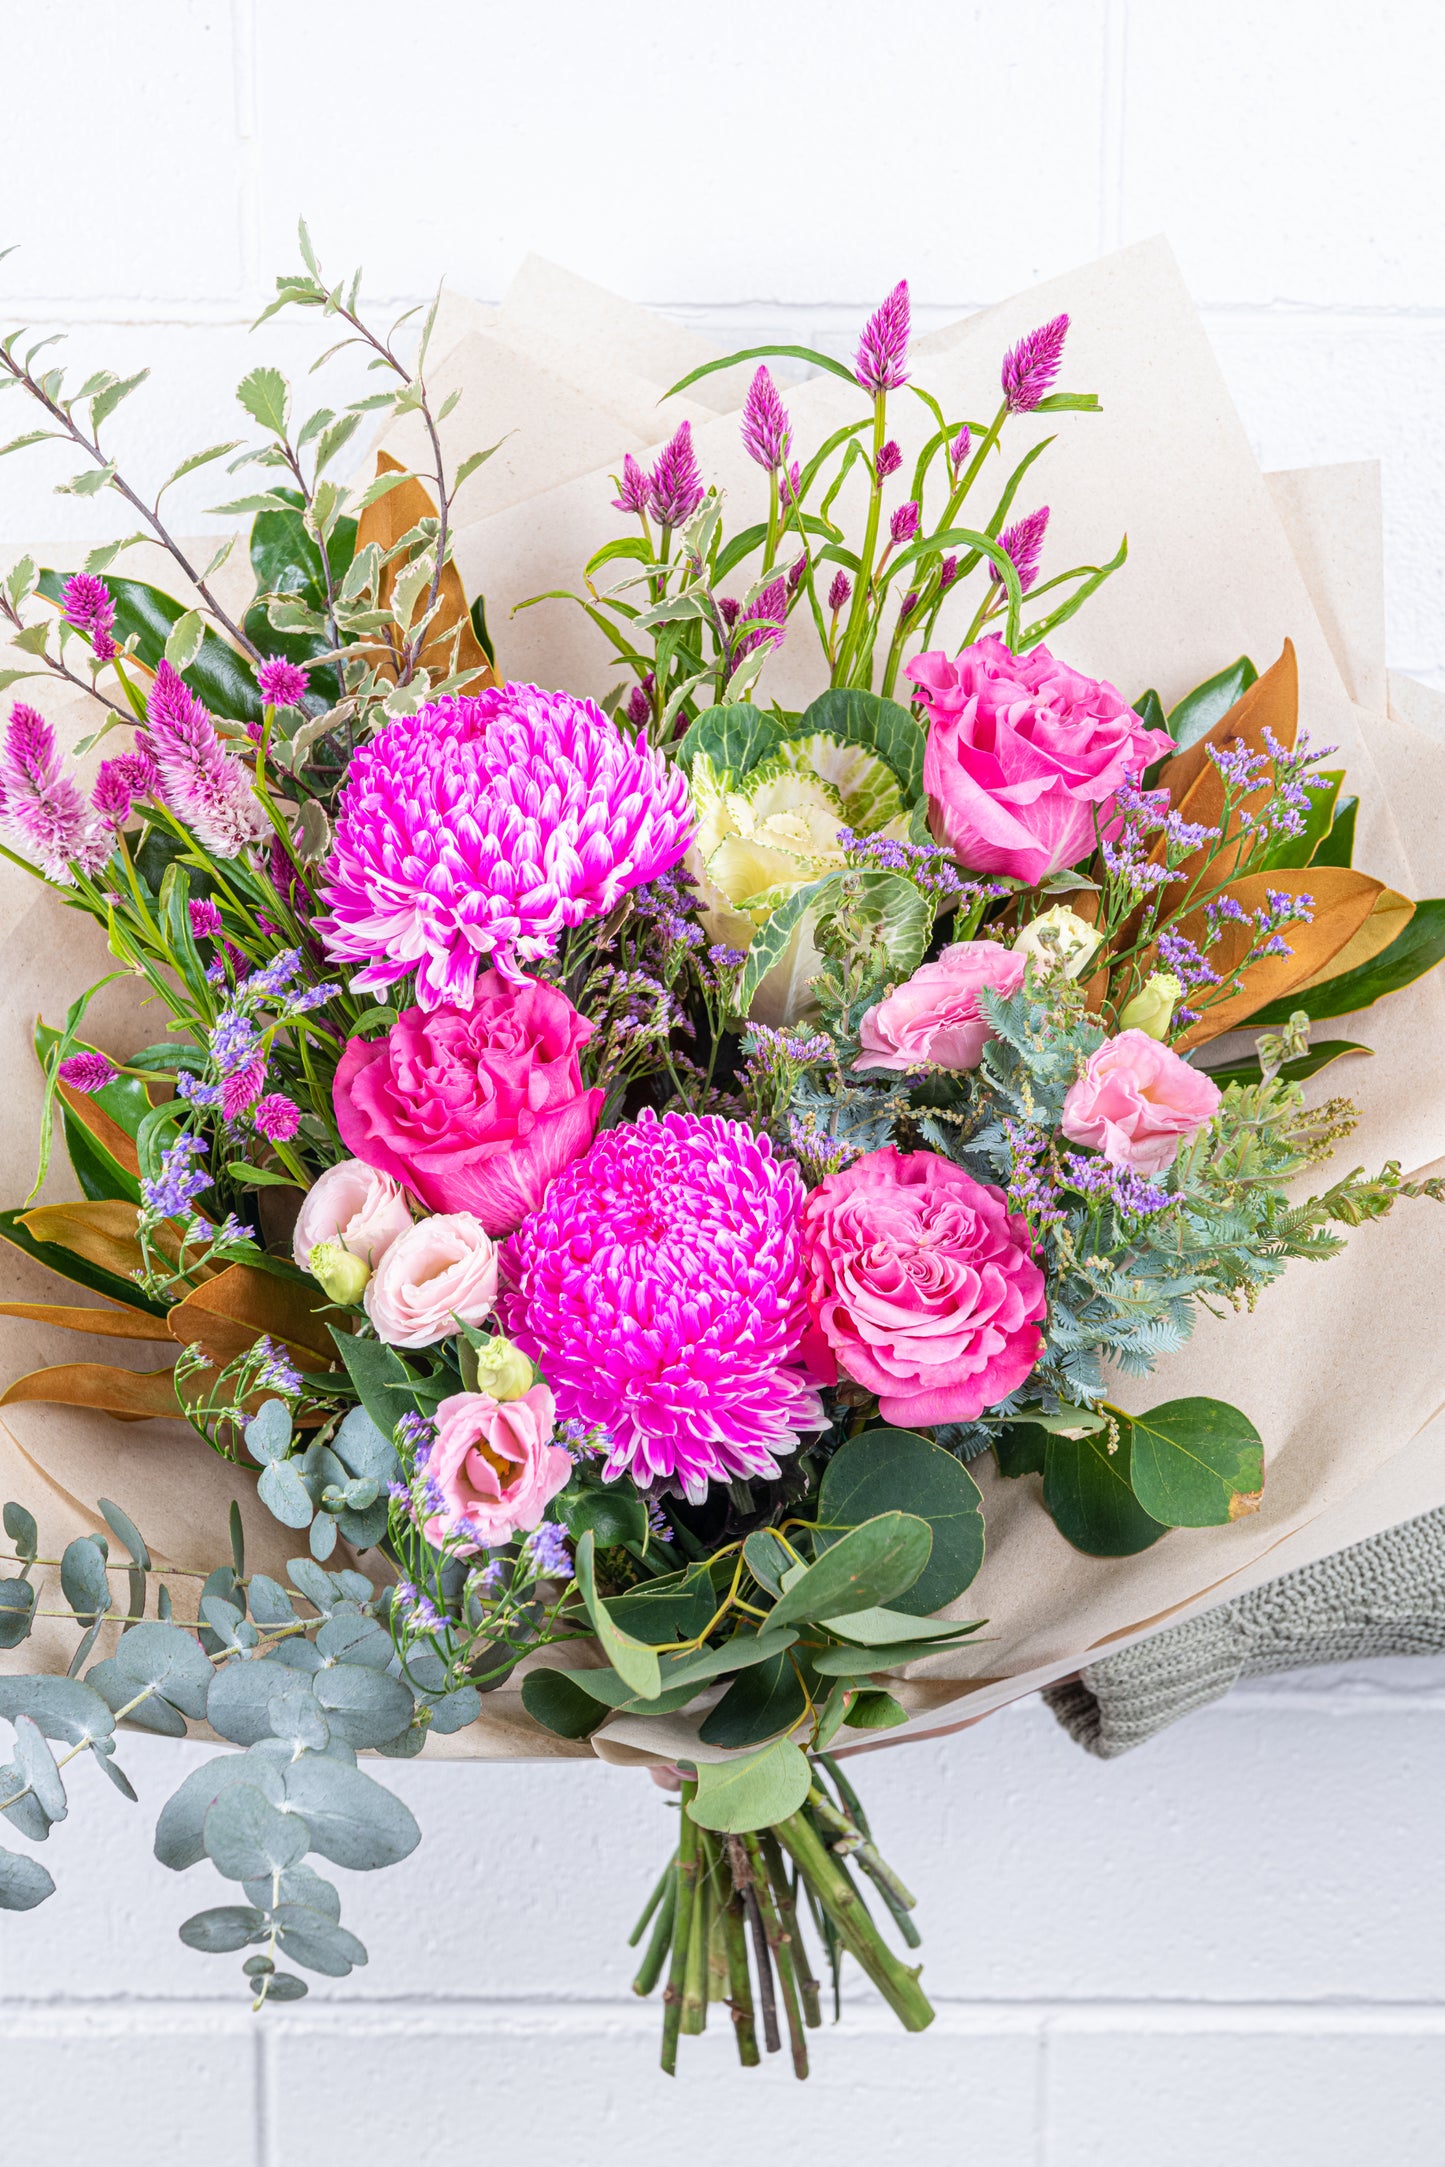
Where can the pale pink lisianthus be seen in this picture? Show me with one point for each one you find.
(441, 1269)
(1023, 757)
(353, 1204)
(935, 1016)
(495, 1465)
(1135, 1100)
(923, 1285)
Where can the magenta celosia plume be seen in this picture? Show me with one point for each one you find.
(41, 806)
(85, 602)
(765, 421)
(883, 348)
(204, 785)
(1023, 545)
(676, 488)
(1029, 369)
(659, 1288)
(478, 829)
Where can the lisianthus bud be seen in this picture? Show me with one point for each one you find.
(1153, 1006)
(343, 1277)
(503, 1371)
(1059, 939)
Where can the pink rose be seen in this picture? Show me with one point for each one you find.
(936, 1015)
(1021, 755)
(923, 1285)
(355, 1205)
(494, 1466)
(1135, 1099)
(474, 1109)
(440, 1269)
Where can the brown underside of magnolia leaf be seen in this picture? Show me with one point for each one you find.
(109, 1134)
(102, 1230)
(1271, 703)
(131, 1395)
(114, 1323)
(228, 1315)
(1343, 901)
(1386, 922)
(385, 522)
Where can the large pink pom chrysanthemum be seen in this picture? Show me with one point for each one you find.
(658, 1287)
(478, 829)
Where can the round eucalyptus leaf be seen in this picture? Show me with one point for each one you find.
(147, 1710)
(246, 1836)
(309, 1580)
(320, 1470)
(268, 1433)
(364, 1530)
(36, 1764)
(180, 1831)
(898, 1471)
(21, 1528)
(284, 1494)
(63, 1707)
(323, 1535)
(299, 1885)
(355, 1587)
(406, 1745)
(365, 1707)
(22, 1809)
(317, 1942)
(239, 1704)
(293, 1714)
(257, 1967)
(222, 1929)
(169, 1660)
(356, 1639)
(353, 1821)
(270, 1604)
(285, 1986)
(364, 1450)
(83, 1579)
(17, 1608)
(24, 1883)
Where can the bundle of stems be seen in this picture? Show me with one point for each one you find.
(725, 1924)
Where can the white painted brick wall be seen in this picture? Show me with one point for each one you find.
(1228, 1947)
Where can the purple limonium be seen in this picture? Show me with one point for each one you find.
(41, 805)
(548, 1551)
(635, 487)
(205, 917)
(87, 1072)
(883, 348)
(766, 427)
(888, 461)
(278, 1371)
(1030, 367)
(233, 1040)
(203, 784)
(179, 1181)
(276, 976)
(1023, 545)
(904, 524)
(839, 592)
(676, 489)
(276, 1117)
(281, 683)
(195, 1092)
(85, 602)
(482, 828)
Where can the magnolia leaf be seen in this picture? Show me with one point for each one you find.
(384, 520)
(1413, 952)
(131, 1395)
(1341, 901)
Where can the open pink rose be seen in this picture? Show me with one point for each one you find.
(474, 1109)
(442, 1268)
(1022, 752)
(923, 1285)
(494, 1466)
(355, 1205)
(1135, 1099)
(936, 1015)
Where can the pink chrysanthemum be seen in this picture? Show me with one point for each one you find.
(478, 829)
(42, 806)
(203, 784)
(658, 1286)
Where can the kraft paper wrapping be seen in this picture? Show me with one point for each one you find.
(1341, 1365)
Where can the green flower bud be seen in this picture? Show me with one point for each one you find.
(1152, 1008)
(343, 1277)
(1059, 939)
(503, 1371)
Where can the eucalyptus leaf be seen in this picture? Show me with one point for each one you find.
(284, 1494)
(126, 1531)
(897, 1470)
(763, 1701)
(737, 1796)
(365, 1707)
(17, 1610)
(246, 1836)
(631, 1659)
(223, 1928)
(873, 1563)
(309, 1938)
(299, 1885)
(36, 1764)
(353, 1821)
(83, 1579)
(63, 1707)
(1088, 1491)
(180, 1830)
(268, 1433)
(24, 1882)
(21, 1528)
(1196, 1463)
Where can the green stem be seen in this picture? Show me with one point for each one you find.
(857, 615)
(781, 1947)
(740, 1988)
(694, 1977)
(745, 1884)
(835, 1891)
(664, 1883)
(852, 1843)
(788, 1908)
(687, 1870)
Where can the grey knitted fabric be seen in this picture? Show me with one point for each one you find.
(1384, 1596)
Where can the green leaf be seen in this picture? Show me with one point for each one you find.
(878, 1627)
(875, 1711)
(1150, 710)
(865, 718)
(1413, 952)
(766, 1559)
(104, 404)
(762, 1702)
(1338, 847)
(266, 396)
(1308, 1064)
(125, 1530)
(554, 1699)
(1087, 1490)
(675, 1606)
(1069, 402)
(771, 939)
(1199, 710)
(735, 1797)
(873, 1563)
(809, 354)
(184, 642)
(24, 1882)
(17, 1606)
(734, 738)
(897, 1470)
(246, 1836)
(67, 1265)
(1196, 1463)
(631, 1659)
(1019, 1449)
(83, 1579)
(222, 1929)
(863, 1662)
(20, 1526)
(380, 1376)
(218, 676)
(614, 1515)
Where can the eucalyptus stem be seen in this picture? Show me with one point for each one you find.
(840, 1898)
(743, 1881)
(694, 1976)
(781, 1947)
(851, 1842)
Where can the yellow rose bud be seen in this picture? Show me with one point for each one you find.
(1059, 939)
(344, 1278)
(1151, 1009)
(503, 1371)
